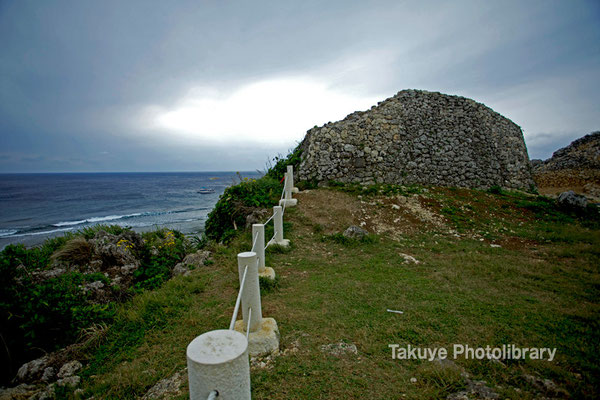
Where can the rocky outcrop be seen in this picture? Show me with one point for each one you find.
(575, 167)
(419, 137)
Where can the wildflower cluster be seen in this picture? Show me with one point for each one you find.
(126, 244)
(169, 240)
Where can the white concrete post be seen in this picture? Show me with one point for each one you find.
(290, 172)
(289, 182)
(278, 223)
(278, 226)
(251, 289)
(258, 237)
(218, 360)
(288, 188)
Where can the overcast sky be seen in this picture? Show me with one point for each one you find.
(224, 85)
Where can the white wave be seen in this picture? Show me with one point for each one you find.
(43, 232)
(68, 223)
(7, 232)
(96, 219)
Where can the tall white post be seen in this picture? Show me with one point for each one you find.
(218, 360)
(258, 237)
(290, 172)
(251, 289)
(289, 182)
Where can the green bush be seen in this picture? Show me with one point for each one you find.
(278, 170)
(495, 190)
(229, 214)
(38, 316)
(163, 249)
(237, 202)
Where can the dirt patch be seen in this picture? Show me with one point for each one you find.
(393, 216)
(332, 210)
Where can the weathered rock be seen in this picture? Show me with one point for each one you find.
(197, 259)
(23, 391)
(33, 370)
(475, 390)
(409, 259)
(168, 387)
(49, 374)
(576, 166)
(116, 250)
(571, 200)
(339, 349)
(545, 386)
(69, 369)
(47, 393)
(93, 286)
(69, 381)
(181, 269)
(191, 261)
(258, 216)
(419, 137)
(355, 232)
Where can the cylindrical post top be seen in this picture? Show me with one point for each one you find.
(217, 347)
(247, 254)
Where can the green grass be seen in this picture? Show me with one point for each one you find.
(540, 289)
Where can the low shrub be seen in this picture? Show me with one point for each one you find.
(41, 315)
(237, 202)
(76, 251)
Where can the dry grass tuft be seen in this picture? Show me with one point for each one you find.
(76, 251)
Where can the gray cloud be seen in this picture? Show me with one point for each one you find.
(75, 76)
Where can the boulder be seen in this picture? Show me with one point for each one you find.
(571, 200)
(33, 370)
(167, 388)
(191, 261)
(339, 349)
(355, 232)
(116, 249)
(69, 369)
(258, 216)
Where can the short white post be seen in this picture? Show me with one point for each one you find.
(251, 289)
(278, 226)
(258, 237)
(218, 360)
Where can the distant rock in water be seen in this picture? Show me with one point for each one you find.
(575, 167)
(419, 137)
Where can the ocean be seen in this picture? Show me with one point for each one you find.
(34, 207)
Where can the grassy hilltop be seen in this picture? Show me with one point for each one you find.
(537, 286)
(465, 266)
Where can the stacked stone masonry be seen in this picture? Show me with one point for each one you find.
(419, 137)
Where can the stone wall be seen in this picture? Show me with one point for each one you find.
(575, 167)
(419, 137)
